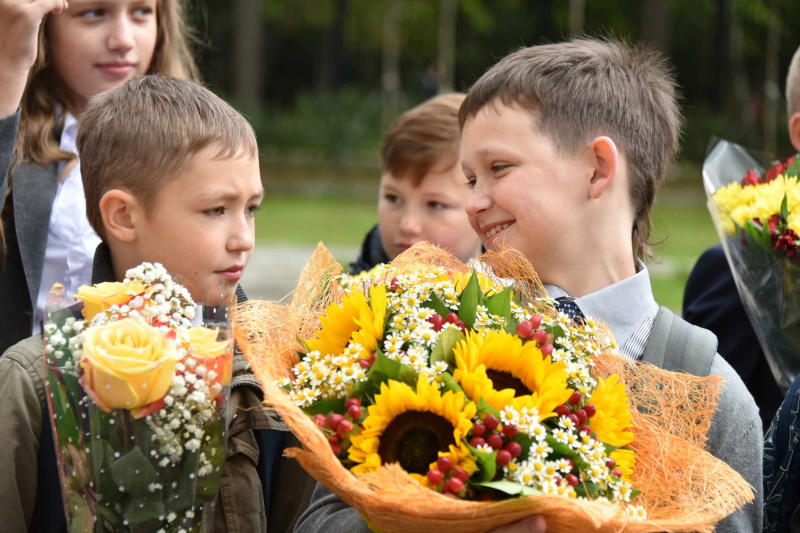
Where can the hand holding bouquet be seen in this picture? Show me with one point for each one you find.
(431, 398)
(138, 399)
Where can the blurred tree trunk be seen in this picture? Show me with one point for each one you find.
(333, 55)
(447, 45)
(772, 92)
(247, 52)
(656, 23)
(743, 102)
(390, 79)
(577, 17)
(721, 64)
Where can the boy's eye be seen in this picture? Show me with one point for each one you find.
(471, 182)
(499, 167)
(391, 198)
(252, 210)
(436, 206)
(215, 212)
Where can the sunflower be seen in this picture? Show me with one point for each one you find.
(489, 286)
(414, 427)
(355, 320)
(612, 421)
(498, 367)
(625, 459)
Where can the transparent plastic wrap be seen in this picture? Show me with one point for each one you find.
(753, 216)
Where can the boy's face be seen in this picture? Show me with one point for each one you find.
(432, 211)
(201, 226)
(99, 45)
(525, 194)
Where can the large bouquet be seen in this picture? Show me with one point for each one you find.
(757, 216)
(431, 397)
(138, 399)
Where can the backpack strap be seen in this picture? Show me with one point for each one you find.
(676, 345)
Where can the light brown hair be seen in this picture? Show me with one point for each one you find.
(138, 135)
(585, 88)
(424, 137)
(40, 127)
(793, 85)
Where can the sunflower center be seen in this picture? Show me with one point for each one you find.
(414, 439)
(503, 380)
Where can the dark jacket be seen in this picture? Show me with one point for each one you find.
(711, 301)
(372, 252)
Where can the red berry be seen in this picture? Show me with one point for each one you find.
(514, 448)
(320, 420)
(366, 363)
(461, 325)
(393, 283)
(437, 321)
(557, 479)
(611, 463)
(344, 427)
(540, 336)
(454, 485)
(495, 441)
(546, 349)
(590, 409)
(461, 474)
(535, 321)
(576, 398)
(450, 494)
(334, 438)
(563, 410)
(334, 419)
(452, 318)
(616, 472)
(510, 430)
(434, 477)
(352, 401)
(445, 464)
(574, 419)
(337, 449)
(478, 429)
(503, 457)
(582, 416)
(354, 411)
(585, 429)
(476, 442)
(572, 479)
(491, 422)
(525, 329)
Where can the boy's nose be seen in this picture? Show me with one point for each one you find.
(477, 201)
(409, 223)
(242, 237)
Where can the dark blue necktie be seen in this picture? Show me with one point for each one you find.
(567, 305)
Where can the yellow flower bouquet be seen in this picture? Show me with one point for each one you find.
(138, 398)
(432, 397)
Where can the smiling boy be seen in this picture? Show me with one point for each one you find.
(171, 175)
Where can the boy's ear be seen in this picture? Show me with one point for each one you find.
(605, 158)
(794, 130)
(119, 210)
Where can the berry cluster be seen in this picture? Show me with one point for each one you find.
(452, 318)
(489, 432)
(446, 479)
(577, 414)
(530, 330)
(338, 426)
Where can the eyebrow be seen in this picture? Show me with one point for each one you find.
(226, 196)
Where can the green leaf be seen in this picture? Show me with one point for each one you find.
(487, 463)
(794, 168)
(134, 472)
(784, 208)
(331, 405)
(443, 350)
(587, 489)
(509, 487)
(500, 304)
(485, 409)
(382, 370)
(450, 383)
(436, 303)
(471, 297)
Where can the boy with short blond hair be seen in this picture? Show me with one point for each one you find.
(564, 146)
(422, 191)
(171, 175)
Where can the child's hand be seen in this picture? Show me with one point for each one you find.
(19, 30)
(532, 524)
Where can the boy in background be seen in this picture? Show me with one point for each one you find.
(422, 191)
(171, 175)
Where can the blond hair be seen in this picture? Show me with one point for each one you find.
(136, 136)
(39, 129)
(584, 88)
(422, 138)
(793, 85)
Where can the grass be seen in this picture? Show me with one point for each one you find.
(680, 219)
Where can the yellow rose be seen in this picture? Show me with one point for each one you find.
(98, 298)
(216, 356)
(127, 364)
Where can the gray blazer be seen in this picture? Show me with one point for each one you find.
(26, 211)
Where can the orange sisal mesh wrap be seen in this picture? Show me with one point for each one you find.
(684, 488)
